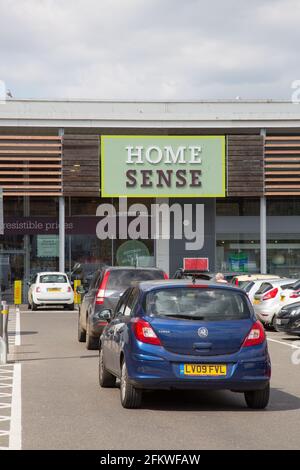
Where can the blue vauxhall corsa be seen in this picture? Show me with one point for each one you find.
(184, 335)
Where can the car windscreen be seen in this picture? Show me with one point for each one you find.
(194, 303)
(294, 286)
(53, 279)
(120, 279)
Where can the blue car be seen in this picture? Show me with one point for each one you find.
(184, 335)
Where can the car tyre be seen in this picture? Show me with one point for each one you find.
(106, 379)
(131, 397)
(91, 341)
(69, 307)
(274, 325)
(258, 399)
(29, 306)
(34, 306)
(81, 332)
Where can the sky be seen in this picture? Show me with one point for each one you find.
(150, 49)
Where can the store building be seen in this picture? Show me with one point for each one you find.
(238, 160)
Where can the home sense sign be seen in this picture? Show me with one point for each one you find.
(162, 166)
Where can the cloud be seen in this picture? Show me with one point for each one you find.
(147, 49)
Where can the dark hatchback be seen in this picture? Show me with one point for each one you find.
(288, 319)
(183, 335)
(104, 291)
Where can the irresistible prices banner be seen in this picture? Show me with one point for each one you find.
(162, 166)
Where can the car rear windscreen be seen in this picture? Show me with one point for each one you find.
(53, 279)
(264, 288)
(120, 279)
(197, 304)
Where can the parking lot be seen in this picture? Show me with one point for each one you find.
(64, 408)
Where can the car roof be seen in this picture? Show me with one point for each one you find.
(149, 285)
(256, 277)
(280, 281)
(130, 268)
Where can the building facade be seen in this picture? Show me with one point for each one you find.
(55, 171)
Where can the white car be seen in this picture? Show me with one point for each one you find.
(251, 287)
(268, 300)
(291, 293)
(50, 288)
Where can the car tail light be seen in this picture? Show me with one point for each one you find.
(144, 332)
(166, 276)
(271, 294)
(101, 291)
(295, 295)
(236, 282)
(37, 289)
(69, 289)
(256, 336)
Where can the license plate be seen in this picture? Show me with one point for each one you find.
(279, 321)
(256, 301)
(53, 289)
(203, 369)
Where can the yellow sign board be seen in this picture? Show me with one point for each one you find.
(17, 292)
(77, 297)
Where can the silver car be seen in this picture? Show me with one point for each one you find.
(268, 300)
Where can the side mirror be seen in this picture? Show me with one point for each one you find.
(28, 283)
(80, 290)
(105, 315)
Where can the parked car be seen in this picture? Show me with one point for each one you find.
(288, 319)
(188, 274)
(251, 287)
(104, 293)
(179, 335)
(291, 293)
(242, 279)
(50, 288)
(268, 300)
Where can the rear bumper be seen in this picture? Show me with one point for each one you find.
(243, 375)
(265, 316)
(289, 329)
(235, 386)
(60, 301)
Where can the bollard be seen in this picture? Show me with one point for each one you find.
(4, 332)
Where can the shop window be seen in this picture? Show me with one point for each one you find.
(13, 206)
(237, 207)
(283, 207)
(44, 206)
(283, 256)
(238, 253)
(85, 205)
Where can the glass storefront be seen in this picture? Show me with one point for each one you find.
(30, 243)
(237, 235)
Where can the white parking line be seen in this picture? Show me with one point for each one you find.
(18, 328)
(15, 419)
(294, 346)
(10, 390)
